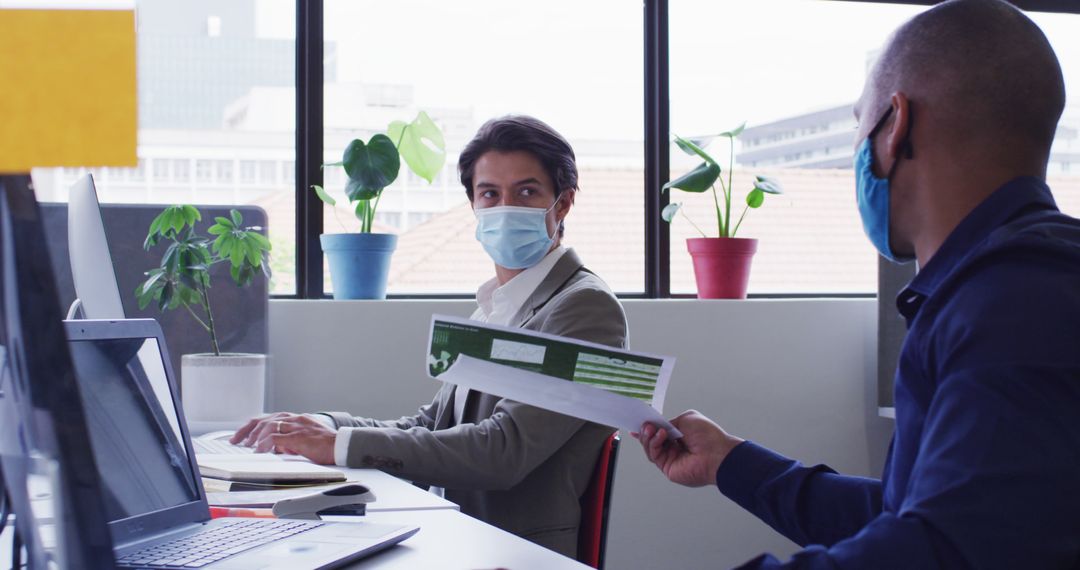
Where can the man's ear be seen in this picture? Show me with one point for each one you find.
(898, 143)
(566, 201)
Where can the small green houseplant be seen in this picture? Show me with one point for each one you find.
(721, 264)
(183, 280)
(360, 262)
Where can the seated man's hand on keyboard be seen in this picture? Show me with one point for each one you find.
(285, 432)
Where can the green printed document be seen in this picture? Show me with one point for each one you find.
(590, 381)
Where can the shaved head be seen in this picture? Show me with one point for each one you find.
(986, 70)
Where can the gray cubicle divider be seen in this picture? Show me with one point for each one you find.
(892, 278)
(240, 314)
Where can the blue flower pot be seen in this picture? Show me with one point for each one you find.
(359, 263)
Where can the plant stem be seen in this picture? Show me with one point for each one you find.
(727, 195)
(340, 223)
(193, 314)
(693, 224)
(740, 220)
(210, 318)
(371, 221)
(719, 215)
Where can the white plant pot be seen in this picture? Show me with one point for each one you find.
(220, 392)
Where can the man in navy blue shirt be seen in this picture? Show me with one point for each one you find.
(955, 127)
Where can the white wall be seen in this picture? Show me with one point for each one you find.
(795, 375)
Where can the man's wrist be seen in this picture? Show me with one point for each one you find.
(341, 447)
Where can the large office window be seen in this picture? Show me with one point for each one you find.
(793, 80)
(216, 118)
(575, 65)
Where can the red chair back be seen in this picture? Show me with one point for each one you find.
(595, 504)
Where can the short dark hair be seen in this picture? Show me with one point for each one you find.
(521, 133)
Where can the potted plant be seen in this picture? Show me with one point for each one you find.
(360, 262)
(183, 280)
(722, 263)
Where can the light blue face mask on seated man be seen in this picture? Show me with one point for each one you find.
(872, 194)
(515, 237)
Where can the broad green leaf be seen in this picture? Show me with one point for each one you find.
(171, 259)
(358, 192)
(254, 257)
(216, 229)
(755, 198)
(691, 148)
(191, 214)
(733, 132)
(165, 298)
(237, 219)
(669, 211)
(176, 218)
(768, 185)
(222, 244)
(154, 277)
(261, 240)
(224, 222)
(236, 256)
(321, 193)
(699, 179)
(421, 144)
(370, 167)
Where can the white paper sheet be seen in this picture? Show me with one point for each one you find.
(595, 389)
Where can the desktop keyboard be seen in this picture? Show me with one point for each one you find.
(218, 446)
(218, 543)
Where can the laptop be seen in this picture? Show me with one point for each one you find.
(154, 501)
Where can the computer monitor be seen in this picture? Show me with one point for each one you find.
(91, 264)
(48, 467)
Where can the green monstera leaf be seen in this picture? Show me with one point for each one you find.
(421, 145)
(371, 167)
(699, 179)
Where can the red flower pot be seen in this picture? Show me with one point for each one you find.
(722, 266)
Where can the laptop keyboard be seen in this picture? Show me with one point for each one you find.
(218, 543)
(217, 446)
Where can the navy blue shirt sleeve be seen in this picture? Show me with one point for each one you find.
(808, 505)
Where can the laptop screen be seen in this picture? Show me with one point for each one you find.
(133, 426)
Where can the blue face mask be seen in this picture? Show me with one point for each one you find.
(514, 237)
(872, 196)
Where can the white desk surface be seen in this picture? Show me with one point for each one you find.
(451, 540)
(391, 493)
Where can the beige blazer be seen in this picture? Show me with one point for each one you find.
(517, 467)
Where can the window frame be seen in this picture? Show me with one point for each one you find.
(657, 277)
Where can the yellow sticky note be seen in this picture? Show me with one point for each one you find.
(67, 88)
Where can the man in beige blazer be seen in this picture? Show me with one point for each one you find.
(515, 466)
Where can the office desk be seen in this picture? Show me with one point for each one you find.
(447, 538)
(452, 540)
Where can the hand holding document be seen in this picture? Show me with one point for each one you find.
(585, 380)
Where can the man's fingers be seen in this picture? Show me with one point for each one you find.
(284, 442)
(244, 430)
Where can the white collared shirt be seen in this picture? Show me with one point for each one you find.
(497, 305)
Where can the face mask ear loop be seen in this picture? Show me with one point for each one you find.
(906, 149)
(552, 207)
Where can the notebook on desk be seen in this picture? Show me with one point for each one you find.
(264, 469)
(222, 460)
(154, 501)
